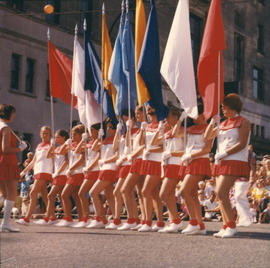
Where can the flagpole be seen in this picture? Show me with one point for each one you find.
(102, 81)
(218, 122)
(51, 98)
(72, 86)
(129, 115)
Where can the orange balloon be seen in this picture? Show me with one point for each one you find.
(48, 9)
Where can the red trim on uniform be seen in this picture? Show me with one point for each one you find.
(143, 222)
(193, 222)
(45, 219)
(43, 176)
(69, 219)
(160, 223)
(42, 145)
(90, 143)
(225, 226)
(99, 218)
(108, 175)
(124, 171)
(26, 219)
(202, 226)
(73, 145)
(176, 221)
(199, 166)
(108, 140)
(138, 221)
(149, 223)
(231, 224)
(182, 172)
(82, 219)
(150, 167)
(117, 221)
(92, 175)
(152, 127)
(60, 180)
(231, 123)
(131, 220)
(232, 168)
(171, 171)
(197, 129)
(53, 219)
(76, 179)
(136, 166)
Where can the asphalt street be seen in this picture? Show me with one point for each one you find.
(49, 246)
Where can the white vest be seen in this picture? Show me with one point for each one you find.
(136, 144)
(91, 155)
(107, 152)
(152, 156)
(173, 145)
(123, 150)
(195, 142)
(59, 159)
(42, 163)
(74, 157)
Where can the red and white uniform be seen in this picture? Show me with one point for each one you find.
(234, 164)
(77, 177)
(108, 171)
(43, 167)
(151, 165)
(195, 143)
(171, 167)
(137, 163)
(91, 155)
(9, 168)
(59, 160)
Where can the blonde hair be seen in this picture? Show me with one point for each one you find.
(46, 128)
(79, 129)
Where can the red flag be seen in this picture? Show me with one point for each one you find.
(60, 70)
(212, 44)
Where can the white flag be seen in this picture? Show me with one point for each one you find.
(89, 110)
(177, 64)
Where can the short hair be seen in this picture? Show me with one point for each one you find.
(6, 110)
(139, 108)
(234, 102)
(96, 126)
(46, 128)
(79, 129)
(63, 133)
(109, 120)
(267, 156)
(174, 111)
(125, 112)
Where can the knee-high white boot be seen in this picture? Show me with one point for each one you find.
(8, 205)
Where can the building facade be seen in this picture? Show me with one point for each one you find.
(24, 76)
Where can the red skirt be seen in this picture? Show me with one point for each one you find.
(200, 166)
(123, 171)
(136, 166)
(151, 168)
(60, 180)
(108, 175)
(76, 179)
(92, 175)
(43, 176)
(232, 168)
(182, 171)
(171, 171)
(9, 172)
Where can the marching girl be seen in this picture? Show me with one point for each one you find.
(151, 168)
(124, 165)
(9, 169)
(196, 159)
(231, 157)
(91, 172)
(74, 176)
(59, 175)
(43, 169)
(134, 178)
(107, 177)
(172, 158)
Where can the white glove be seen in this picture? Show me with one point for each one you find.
(22, 174)
(84, 136)
(68, 142)
(128, 123)
(166, 155)
(100, 162)
(160, 126)
(219, 156)
(186, 157)
(145, 154)
(52, 141)
(143, 125)
(100, 133)
(22, 146)
(68, 173)
(119, 161)
(85, 171)
(54, 175)
(214, 120)
(129, 158)
(119, 127)
(182, 116)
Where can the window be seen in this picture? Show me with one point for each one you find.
(262, 2)
(238, 56)
(260, 38)
(15, 71)
(16, 4)
(239, 19)
(29, 79)
(54, 18)
(195, 32)
(257, 131)
(258, 84)
(262, 132)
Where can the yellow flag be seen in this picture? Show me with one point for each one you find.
(140, 26)
(106, 58)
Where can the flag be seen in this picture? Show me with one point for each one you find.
(89, 110)
(60, 73)
(128, 60)
(149, 64)
(212, 44)
(116, 73)
(106, 57)
(177, 65)
(93, 79)
(140, 25)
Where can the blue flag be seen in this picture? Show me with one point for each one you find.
(128, 60)
(93, 80)
(149, 64)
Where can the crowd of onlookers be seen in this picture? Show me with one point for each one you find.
(258, 194)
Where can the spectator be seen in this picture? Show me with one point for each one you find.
(211, 207)
(265, 215)
(210, 187)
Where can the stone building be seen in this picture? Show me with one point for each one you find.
(23, 30)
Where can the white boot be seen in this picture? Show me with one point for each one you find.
(8, 205)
